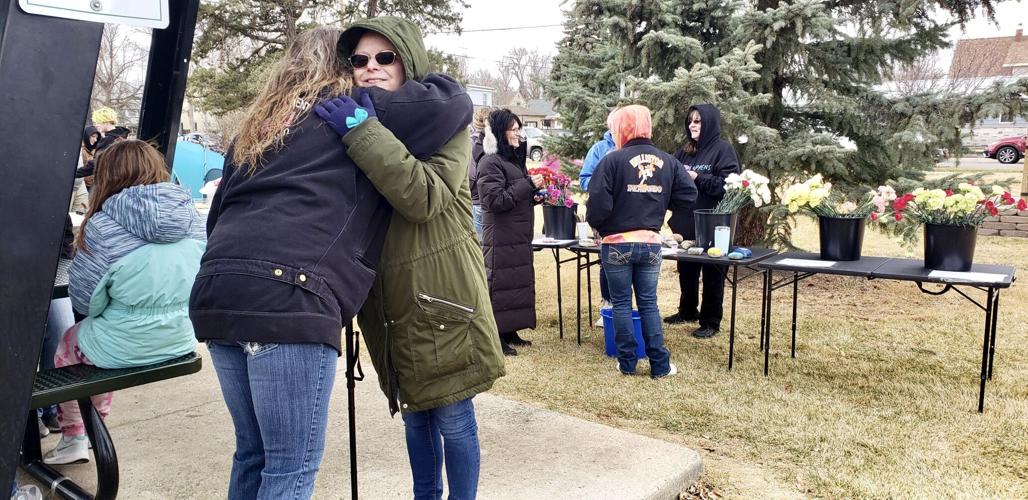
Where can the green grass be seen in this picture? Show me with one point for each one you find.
(880, 402)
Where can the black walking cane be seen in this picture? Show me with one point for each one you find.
(352, 363)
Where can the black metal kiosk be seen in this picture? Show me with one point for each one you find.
(47, 66)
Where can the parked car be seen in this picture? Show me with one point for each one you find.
(535, 138)
(1006, 150)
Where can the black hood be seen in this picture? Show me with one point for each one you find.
(710, 131)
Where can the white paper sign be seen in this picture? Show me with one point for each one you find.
(973, 277)
(807, 263)
(142, 13)
(550, 241)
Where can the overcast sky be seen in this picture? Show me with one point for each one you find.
(484, 48)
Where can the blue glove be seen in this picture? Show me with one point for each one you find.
(343, 114)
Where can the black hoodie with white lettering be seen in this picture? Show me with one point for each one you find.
(713, 160)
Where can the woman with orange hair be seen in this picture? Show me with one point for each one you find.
(629, 195)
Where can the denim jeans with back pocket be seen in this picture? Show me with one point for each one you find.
(636, 266)
(277, 395)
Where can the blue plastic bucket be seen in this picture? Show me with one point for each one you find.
(608, 333)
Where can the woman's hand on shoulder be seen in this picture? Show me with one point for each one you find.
(344, 114)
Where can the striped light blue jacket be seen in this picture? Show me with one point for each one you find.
(133, 280)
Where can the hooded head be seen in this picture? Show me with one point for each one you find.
(402, 34)
(121, 166)
(90, 136)
(630, 122)
(710, 127)
(496, 140)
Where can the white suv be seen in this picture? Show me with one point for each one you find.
(535, 142)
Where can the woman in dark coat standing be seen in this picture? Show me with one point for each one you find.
(507, 195)
(709, 159)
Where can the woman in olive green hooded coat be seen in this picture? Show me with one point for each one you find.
(428, 322)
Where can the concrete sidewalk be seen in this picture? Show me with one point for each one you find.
(174, 440)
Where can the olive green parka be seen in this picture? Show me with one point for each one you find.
(428, 323)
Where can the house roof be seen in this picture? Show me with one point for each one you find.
(541, 107)
(1017, 54)
(981, 57)
(521, 111)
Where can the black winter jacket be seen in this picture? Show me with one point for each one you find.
(713, 161)
(508, 226)
(293, 248)
(633, 187)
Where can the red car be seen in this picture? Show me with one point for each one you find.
(1006, 150)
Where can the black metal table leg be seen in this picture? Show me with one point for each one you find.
(589, 285)
(560, 300)
(731, 329)
(795, 292)
(107, 476)
(578, 296)
(103, 451)
(992, 343)
(763, 308)
(985, 350)
(767, 333)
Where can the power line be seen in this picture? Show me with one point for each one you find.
(509, 28)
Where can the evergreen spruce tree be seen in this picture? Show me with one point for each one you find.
(238, 40)
(795, 80)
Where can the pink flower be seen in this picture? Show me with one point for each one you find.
(874, 216)
(568, 202)
(1022, 205)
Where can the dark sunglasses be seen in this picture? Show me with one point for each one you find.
(384, 58)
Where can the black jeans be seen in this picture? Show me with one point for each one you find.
(713, 292)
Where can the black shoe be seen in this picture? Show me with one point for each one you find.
(704, 332)
(516, 340)
(51, 423)
(508, 350)
(678, 318)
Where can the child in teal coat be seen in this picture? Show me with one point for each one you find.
(137, 254)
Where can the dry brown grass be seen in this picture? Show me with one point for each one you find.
(880, 401)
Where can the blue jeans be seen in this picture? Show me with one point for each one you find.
(446, 434)
(476, 217)
(604, 286)
(628, 266)
(58, 320)
(277, 395)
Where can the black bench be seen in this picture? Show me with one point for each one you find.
(78, 383)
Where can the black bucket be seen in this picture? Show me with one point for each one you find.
(949, 248)
(559, 222)
(841, 237)
(706, 221)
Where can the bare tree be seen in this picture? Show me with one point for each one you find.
(120, 71)
(523, 70)
(503, 94)
(967, 73)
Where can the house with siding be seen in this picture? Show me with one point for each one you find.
(984, 61)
